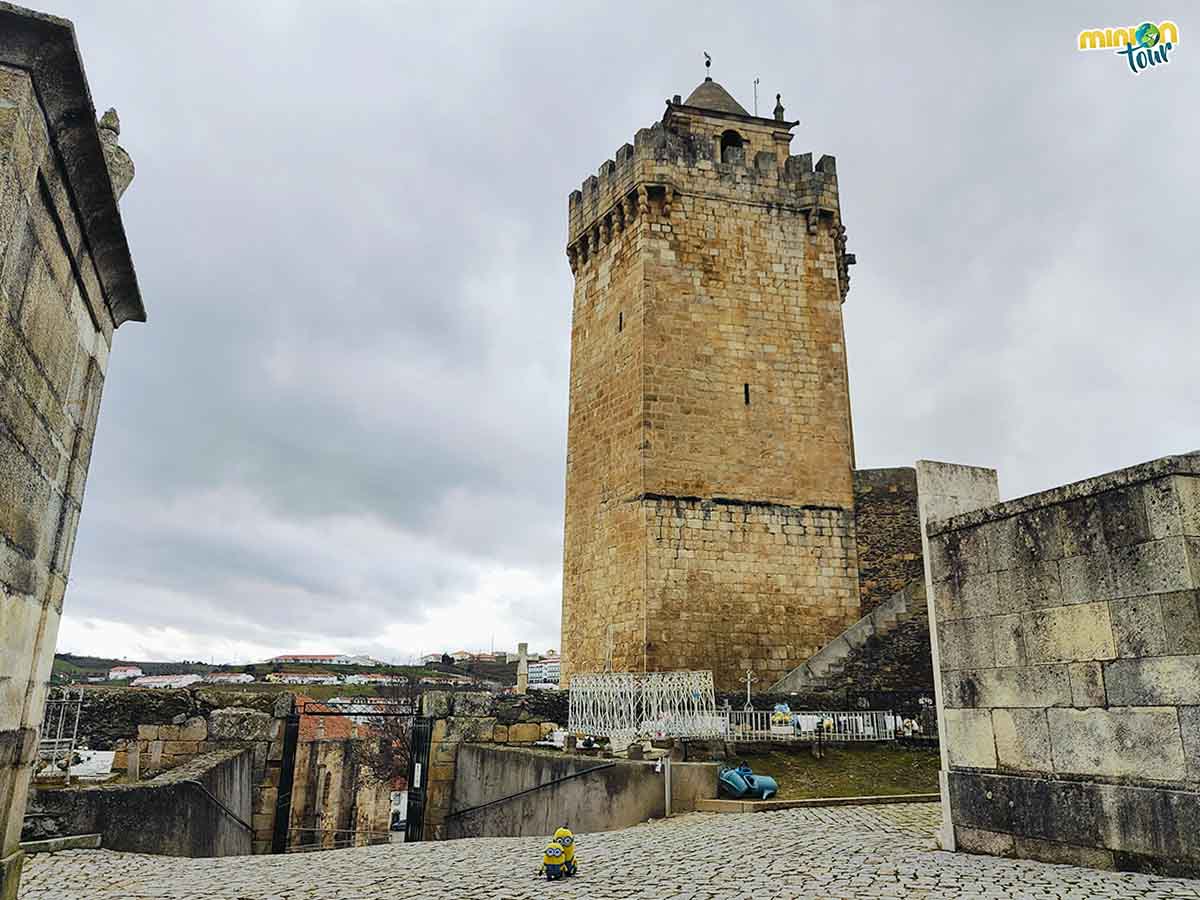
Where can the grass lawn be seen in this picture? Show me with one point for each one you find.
(848, 771)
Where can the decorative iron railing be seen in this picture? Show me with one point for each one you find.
(60, 730)
(628, 706)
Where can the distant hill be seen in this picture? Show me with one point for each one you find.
(71, 666)
(75, 666)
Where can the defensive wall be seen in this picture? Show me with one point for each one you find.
(1068, 651)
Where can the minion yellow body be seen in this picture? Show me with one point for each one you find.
(553, 864)
(566, 840)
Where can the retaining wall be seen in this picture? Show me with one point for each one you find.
(168, 728)
(169, 815)
(624, 794)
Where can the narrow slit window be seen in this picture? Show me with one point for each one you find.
(746, 393)
(620, 321)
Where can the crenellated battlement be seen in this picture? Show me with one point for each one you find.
(689, 152)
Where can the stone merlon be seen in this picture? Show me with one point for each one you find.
(741, 157)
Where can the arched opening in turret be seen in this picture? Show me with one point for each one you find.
(732, 147)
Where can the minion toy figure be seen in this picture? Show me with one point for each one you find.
(567, 840)
(552, 861)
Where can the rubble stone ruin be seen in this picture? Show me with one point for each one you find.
(66, 283)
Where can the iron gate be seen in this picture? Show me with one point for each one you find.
(418, 779)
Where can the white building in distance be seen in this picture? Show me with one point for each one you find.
(327, 659)
(229, 678)
(302, 678)
(123, 673)
(165, 681)
(547, 670)
(375, 678)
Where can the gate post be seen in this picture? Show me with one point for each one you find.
(418, 778)
(287, 777)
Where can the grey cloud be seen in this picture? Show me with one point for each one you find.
(348, 222)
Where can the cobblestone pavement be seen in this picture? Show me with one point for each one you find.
(876, 851)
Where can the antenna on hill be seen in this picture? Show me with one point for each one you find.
(756, 97)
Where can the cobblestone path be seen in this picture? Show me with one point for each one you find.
(876, 852)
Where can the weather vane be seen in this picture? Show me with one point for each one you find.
(707, 64)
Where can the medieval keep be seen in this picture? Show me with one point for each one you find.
(710, 498)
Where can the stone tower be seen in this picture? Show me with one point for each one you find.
(709, 502)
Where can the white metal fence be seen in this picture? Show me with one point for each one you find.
(812, 725)
(626, 706)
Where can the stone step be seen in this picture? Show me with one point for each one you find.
(830, 661)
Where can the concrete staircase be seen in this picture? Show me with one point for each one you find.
(824, 666)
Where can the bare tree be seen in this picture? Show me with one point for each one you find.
(385, 752)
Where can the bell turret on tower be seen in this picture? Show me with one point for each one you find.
(709, 496)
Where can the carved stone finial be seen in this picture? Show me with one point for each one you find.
(110, 121)
(779, 107)
(119, 163)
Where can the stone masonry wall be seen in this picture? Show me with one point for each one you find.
(169, 728)
(707, 366)
(169, 814)
(887, 532)
(734, 586)
(463, 718)
(897, 663)
(1068, 628)
(66, 282)
(334, 801)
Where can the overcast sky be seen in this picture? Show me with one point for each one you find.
(344, 426)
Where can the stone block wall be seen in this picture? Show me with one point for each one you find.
(887, 533)
(335, 802)
(623, 794)
(466, 718)
(167, 729)
(736, 586)
(1068, 631)
(200, 808)
(66, 283)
